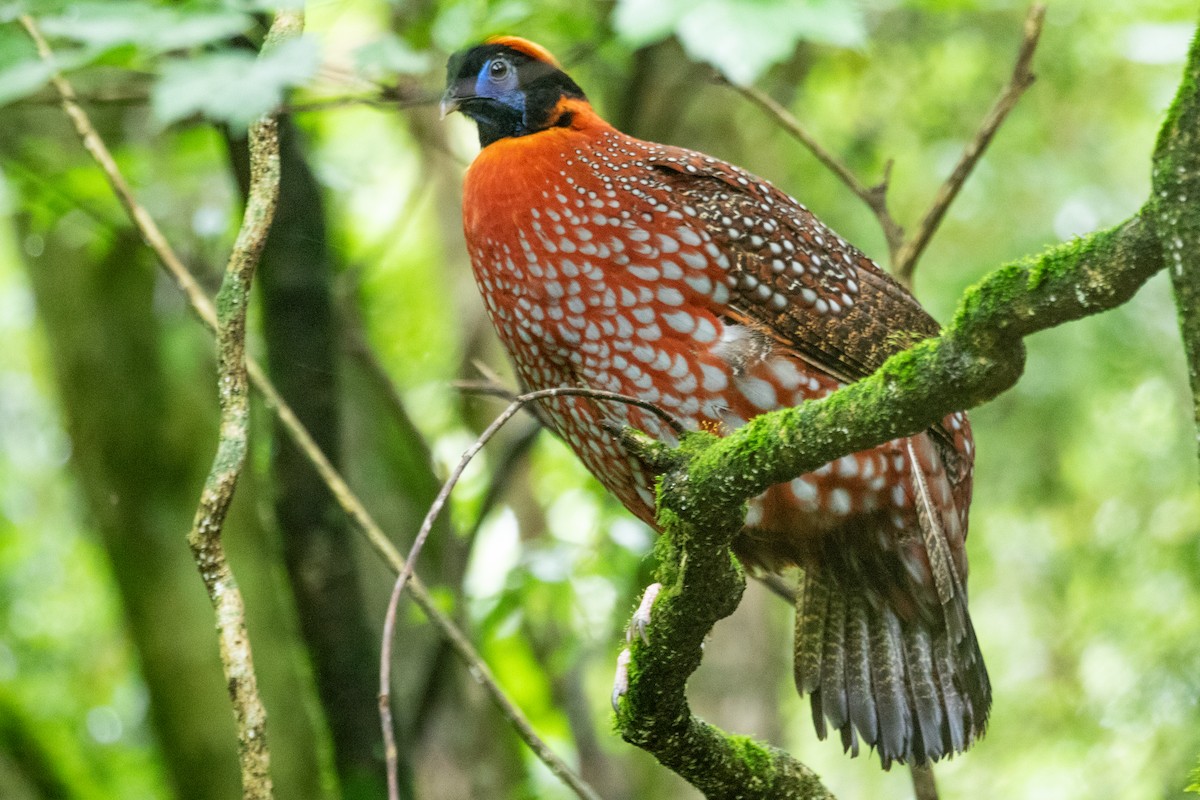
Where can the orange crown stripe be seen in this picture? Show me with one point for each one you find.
(531, 49)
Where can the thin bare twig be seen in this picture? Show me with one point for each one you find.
(1022, 78)
(350, 503)
(874, 196)
(439, 502)
(905, 252)
(386, 98)
(486, 388)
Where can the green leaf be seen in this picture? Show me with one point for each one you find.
(388, 56)
(10, 11)
(741, 39)
(23, 79)
(642, 22)
(233, 86)
(103, 26)
(22, 70)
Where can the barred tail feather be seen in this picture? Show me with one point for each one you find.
(904, 687)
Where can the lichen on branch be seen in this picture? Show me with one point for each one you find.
(707, 480)
(1174, 195)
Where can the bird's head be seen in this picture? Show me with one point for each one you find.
(510, 87)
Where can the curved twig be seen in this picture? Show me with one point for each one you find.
(1022, 78)
(389, 622)
(874, 196)
(906, 251)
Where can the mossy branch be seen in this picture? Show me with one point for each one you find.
(707, 480)
(1175, 196)
(233, 390)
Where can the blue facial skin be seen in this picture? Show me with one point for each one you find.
(498, 81)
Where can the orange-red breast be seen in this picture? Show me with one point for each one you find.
(668, 275)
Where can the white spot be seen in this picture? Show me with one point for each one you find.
(760, 393)
(644, 273)
(805, 491)
(785, 373)
(650, 333)
(670, 296)
(839, 501)
(699, 283)
(679, 368)
(847, 466)
(681, 321)
(705, 331)
(714, 379)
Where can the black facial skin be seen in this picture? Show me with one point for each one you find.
(516, 102)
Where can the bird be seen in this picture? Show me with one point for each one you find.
(670, 276)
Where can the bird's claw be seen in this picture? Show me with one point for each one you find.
(621, 679)
(639, 624)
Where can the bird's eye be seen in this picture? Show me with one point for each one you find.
(498, 69)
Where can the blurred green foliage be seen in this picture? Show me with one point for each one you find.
(1085, 542)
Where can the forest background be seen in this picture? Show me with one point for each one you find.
(1085, 532)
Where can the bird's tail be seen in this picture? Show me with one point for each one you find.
(915, 689)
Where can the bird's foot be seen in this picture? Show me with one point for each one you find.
(639, 624)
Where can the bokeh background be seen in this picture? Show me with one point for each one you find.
(1085, 532)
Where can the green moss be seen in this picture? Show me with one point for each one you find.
(757, 759)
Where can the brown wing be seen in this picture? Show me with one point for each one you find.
(790, 274)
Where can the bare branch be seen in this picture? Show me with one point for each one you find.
(350, 503)
(1022, 78)
(389, 624)
(874, 196)
(1175, 187)
(905, 252)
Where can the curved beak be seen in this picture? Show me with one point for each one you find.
(449, 103)
(457, 93)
